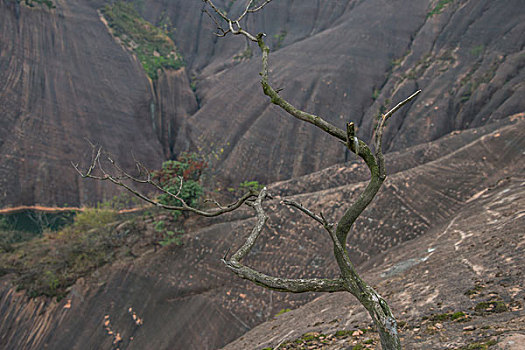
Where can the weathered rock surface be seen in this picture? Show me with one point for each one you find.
(187, 299)
(469, 66)
(63, 79)
(469, 263)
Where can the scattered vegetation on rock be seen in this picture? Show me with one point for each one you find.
(50, 264)
(478, 345)
(152, 45)
(491, 306)
(31, 3)
(348, 339)
(282, 311)
(278, 39)
(439, 7)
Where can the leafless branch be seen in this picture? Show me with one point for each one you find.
(258, 8)
(246, 10)
(122, 177)
(381, 125)
(217, 10)
(234, 25)
(293, 285)
(304, 210)
(221, 31)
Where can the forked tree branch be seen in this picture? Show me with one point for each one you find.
(375, 305)
(292, 285)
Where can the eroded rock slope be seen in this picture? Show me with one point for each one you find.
(188, 299)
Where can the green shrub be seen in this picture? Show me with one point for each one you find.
(159, 226)
(49, 264)
(187, 168)
(31, 3)
(477, 51)
(279, 39)
(124, 200)
(251, 186)
(170, 238)
(94, 218)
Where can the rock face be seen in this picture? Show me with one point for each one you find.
(63, 79)
(351, 61)
(188, 300)
(472, 263)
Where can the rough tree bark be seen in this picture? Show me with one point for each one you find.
(349, 280)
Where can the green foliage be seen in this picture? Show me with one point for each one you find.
(10, 237)
(31, 3)
(181, 175)
(471, 84)
(491, 306)
(473, 291)
(48, 265)
(94, 218)
(479, 345)
(439, 7)
(375, 94)
(343, 333)
(251, 186)
(457, 315)
(170, 238)
(282, 311)
(160, 226)
(152, 45)
(279, 39)
(4, 224)
(124, 200)
(36, 221)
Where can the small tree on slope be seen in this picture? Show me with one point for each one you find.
(348, 281)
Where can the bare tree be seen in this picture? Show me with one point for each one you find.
(349, 280)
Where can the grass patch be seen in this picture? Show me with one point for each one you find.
(282, 311)
(479, 345)
(456, 316)
(152, 45)
(343, 333)
(477, 51)
(495, 306)
(440, 6)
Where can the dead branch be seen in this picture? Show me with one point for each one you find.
(375, 305)
(121, 178)
(292, 285)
